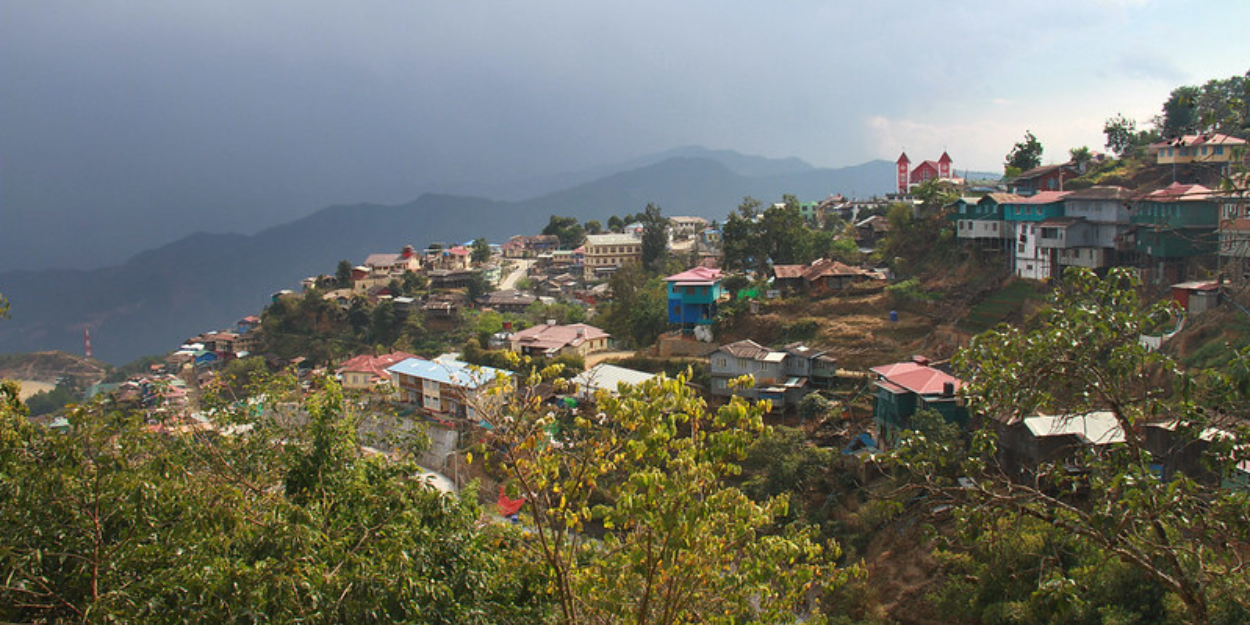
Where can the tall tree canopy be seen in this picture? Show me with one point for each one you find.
(1025, 155)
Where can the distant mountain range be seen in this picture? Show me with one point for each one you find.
(153, 301)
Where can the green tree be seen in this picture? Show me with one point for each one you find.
(569, 231)
(343, 275)
(616, 224)
(383, 324)
(1025, 155)
(1083, 354)
(1179, 116)
(593, 226)
(654, 238)
(1121, 134)
(784, 237)
(679, 544)
(110, 521)
(481, 251)
(1080, 156)
(740, 235)
(477, 286)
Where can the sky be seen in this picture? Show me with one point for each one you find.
(127, 124)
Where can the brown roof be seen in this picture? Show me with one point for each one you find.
(783, 272)
(1038, 172)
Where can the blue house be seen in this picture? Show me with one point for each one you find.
(692, 296)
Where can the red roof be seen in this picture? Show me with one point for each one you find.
(917, 378)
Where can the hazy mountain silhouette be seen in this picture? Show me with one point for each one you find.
(207, 281)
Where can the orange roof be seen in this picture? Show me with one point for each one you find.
(376, 365)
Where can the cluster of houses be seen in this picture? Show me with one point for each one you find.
(1168, 234)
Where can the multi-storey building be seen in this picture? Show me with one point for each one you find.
(980, 222)
(1028, 217)
(693, 296)
(1176, 225)
(605, 253)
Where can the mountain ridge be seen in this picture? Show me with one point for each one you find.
(160, 296)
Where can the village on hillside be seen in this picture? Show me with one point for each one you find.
(891, 396)
(816, 301)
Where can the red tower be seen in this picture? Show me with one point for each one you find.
(86, 341)
(944, 166)
(904, 170)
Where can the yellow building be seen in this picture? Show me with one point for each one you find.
(1208, 148)
(605, 253)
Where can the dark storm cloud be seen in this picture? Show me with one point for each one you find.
(127, 124)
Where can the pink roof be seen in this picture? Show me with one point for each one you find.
(698, 275)
(917, 378)
(554, 337)
(1209, 139)
(1180, 192)
(1044, 197)
(459, 250)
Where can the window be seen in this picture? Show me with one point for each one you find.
(1020, 248)
(1219, 150)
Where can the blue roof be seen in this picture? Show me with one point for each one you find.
(447, 371)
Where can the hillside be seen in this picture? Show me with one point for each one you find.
(206, 281)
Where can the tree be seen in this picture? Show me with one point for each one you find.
(1179, 116)
(1121, 134)
(593, 226)
(739, 236)
(1080, 156)
(343, 275)
(647, 471)
(1083, 354)
(616, 224)
(477, 286)
(567, 229)
(277, 513)
(1025, 155)
(384, 324)
(654, 238)
(481, 251)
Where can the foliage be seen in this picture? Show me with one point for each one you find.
(343, 274)
(481, 251)
(1121, 134)
(647, 472)
(909, 290)
(307, 326)
(654, 238)
(1080, 156)
(567, 229)
(47, 402)
(638, 312)
(1080, 355)
(778, 235)
(1025, 154)
(1216, 106)
(593, 226)
(814, 407)
(562, 312)
(477, 286)
(283, 521)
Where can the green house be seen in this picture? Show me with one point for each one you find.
(1177, 221)
(905, 388)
